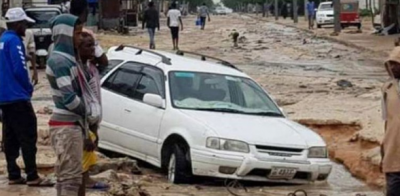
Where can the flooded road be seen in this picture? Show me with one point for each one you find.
(299, 70)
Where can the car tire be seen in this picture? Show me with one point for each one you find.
(179, 169)
(319, 26)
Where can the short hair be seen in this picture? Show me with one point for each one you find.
(173, 6)
(151, 4)
(78, 7)
(204, 3)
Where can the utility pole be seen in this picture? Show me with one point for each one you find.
(295, 12)
(336, 11)
(276, 10)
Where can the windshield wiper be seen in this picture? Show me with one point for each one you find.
(267, 114)
(220, 110)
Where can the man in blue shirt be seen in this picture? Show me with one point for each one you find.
(19, 119)
(311, 12)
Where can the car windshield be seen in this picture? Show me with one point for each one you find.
(326, 6)
(42, 18)
(220, 93)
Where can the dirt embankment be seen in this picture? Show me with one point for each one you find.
(354, 153)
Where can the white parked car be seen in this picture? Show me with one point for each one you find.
(324, 15)
(220, 11)
(193, 117)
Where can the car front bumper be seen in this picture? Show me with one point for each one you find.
(255, 168)
(324, 20)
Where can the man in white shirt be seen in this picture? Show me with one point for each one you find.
(30, 48)
(174, 19)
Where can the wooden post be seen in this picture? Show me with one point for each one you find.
(276, 8)
(336, 11)
(295, 12)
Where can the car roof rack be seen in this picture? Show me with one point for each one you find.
(204, 58)
(164, 59)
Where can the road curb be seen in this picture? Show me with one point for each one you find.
(329, 38)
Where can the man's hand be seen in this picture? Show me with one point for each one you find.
(89, 145)
(209, 19)
(181, 28)
(35, 77)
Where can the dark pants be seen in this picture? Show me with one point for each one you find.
(203, 21)
(393, 184)
(20, 132)
(175, 32)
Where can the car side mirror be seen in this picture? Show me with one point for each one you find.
(154, 100)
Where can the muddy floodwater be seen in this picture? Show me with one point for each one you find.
(328, 86)
(340, 183)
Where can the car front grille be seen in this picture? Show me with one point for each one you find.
(329, 15)
(265, 172)
(279, 151)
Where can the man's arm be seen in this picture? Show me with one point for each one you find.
(168, 20)
(18, 62)
(32, 52)
(144, 19)
(180, 20)
(158, 20)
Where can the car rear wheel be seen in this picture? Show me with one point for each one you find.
(178, 166)
(319, 26)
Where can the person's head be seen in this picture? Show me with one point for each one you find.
(151, 4)
(86, 47)
(17, 20)
(204, 4)
(67, 30)
(393, 63)
(79, 8)
(173, 6)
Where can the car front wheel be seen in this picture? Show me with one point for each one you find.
(179, 167)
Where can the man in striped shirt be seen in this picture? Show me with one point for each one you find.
(66, 130)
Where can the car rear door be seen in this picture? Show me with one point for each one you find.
(117, 90)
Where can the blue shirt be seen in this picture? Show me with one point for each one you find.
(15, 84)
(310, 8)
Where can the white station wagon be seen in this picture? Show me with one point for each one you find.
(195, 117)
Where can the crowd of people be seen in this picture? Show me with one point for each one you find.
(151, 21)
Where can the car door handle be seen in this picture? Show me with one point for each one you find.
(126, 110)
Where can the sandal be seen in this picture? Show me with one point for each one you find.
(101, 186)
(20, 181)
(41, 183)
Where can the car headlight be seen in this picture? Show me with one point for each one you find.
(228, 145)
(317, 152)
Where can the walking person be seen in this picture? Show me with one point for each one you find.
(203, 14)
(19, 119)
(390, 146)
(173, 22)
(311, 13)
(151, 20)
(67, 122)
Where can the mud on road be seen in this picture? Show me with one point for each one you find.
(330, 87)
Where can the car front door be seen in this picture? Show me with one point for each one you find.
(145, 119)
(116, 132)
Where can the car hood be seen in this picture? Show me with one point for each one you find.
(325, 12)
(260, 130)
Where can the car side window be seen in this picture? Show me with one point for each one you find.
(152, 81)
(123, 81)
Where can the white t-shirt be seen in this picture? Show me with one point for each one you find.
(174, 16)
(30, 47)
